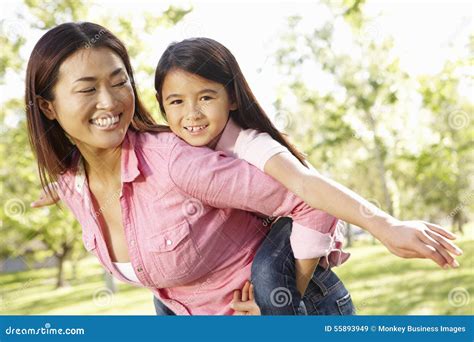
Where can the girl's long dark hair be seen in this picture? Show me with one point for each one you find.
(53, 150)
(211, 60)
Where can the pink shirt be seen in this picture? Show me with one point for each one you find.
(187, 218)
(257, 148)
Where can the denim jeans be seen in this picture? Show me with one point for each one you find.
(274, 280)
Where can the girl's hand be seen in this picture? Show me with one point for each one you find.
(244, 302)
(45, 199)
(419, 239)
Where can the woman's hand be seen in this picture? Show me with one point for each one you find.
(244, 302)
(419, 239)
(45, 199)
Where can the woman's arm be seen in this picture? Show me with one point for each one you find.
(406, 239)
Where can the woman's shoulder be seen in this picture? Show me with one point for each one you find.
(154, 140)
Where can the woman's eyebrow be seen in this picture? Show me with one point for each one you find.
(92, 78)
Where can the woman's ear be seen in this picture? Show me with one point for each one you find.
(47, 108)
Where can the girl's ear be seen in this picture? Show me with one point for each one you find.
(233, 106)
(47, 108)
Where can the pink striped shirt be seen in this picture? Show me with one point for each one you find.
(188, 218)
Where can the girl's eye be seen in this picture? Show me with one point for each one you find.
(206, 98)
(120, 84)
(175, 102)
(85, 91)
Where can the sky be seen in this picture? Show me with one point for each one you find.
(426, 33)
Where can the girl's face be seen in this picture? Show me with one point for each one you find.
(196, 108)
(93, 99)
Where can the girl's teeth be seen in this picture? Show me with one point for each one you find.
(196, 128)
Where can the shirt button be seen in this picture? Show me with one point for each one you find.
(169, 242)
(139, 269)
(132, 243)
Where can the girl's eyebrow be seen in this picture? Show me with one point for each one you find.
(200, 92)
(91, 78)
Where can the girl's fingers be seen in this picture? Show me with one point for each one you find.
(451, 247)
(432, 252)
(440, 230)
(245, 291)
(439, 248)
(243, 306)
(236, 296)
(251, 294)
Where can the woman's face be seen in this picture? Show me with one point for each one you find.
(196, 108)
(93, 99)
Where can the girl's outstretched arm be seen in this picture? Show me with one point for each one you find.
(406, 239)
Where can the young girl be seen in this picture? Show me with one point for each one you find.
(207, 102)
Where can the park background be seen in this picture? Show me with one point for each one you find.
(378, 94)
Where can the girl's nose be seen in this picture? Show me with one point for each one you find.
(194, 112)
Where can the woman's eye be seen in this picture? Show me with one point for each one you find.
(206, 98)
(175, 102)
(121, 83)
(89, 90)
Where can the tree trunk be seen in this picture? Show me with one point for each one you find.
(380, 165)
(348, 235)
(60, 276)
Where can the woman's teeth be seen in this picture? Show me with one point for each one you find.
(195, 128)
(106, 121)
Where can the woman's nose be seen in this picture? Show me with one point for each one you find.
(107, 100)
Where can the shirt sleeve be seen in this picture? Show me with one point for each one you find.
(224, 182)
(257, 148)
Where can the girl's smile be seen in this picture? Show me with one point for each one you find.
(197, 109)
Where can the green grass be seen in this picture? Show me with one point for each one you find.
(380, 284)
(383, 284)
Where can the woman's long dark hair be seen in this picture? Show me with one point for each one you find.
(53, 150)
(211, 60)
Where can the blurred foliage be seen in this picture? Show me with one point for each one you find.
(403, 143)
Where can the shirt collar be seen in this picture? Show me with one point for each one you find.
(129, 164)
(228, 138)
